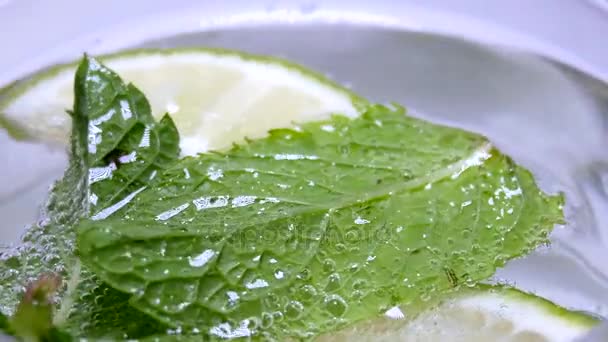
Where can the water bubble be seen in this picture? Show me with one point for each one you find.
(329, 266)
(267, 320)
(345, 150)
(307, 292)
(253, 323)
(305, 335)
(482, 266)
(470, 282)
(293, 310)
(380, 292)
(277, 316)
(335, 305)
(340, 247)
(359, 284)
(431, 288)
(425, 297)
(304, 274)
(333, 282)
(499, 260)
(357, 295)
(272, 300)
(352, 236)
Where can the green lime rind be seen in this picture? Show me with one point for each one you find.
(511, 295)
(18, 88)
(575, 318)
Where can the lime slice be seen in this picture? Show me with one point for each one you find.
(214, 96)
(495, 314)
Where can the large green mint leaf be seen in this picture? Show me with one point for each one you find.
(117, 149)
(317, 227)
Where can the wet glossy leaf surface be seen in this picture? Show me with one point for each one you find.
(293, 235)
(117, 148)
(320, 226)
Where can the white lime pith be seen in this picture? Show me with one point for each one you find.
(215, 97)
(495, 314)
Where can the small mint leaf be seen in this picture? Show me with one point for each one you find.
(5, 327)
(117, 147)
(33, 319)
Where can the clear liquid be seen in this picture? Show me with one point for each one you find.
(550, 118)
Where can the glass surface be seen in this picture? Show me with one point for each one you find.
(550, 117)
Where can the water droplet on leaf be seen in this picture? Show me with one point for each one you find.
(335, 305)
(293, 310)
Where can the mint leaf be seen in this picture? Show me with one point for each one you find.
(33, 320)
(317, 227)
(117, 148)
(5, 327)
(126, 148)
(104, 313)
(290, 236)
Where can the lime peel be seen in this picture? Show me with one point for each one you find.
(483, 313)
(202, 88)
